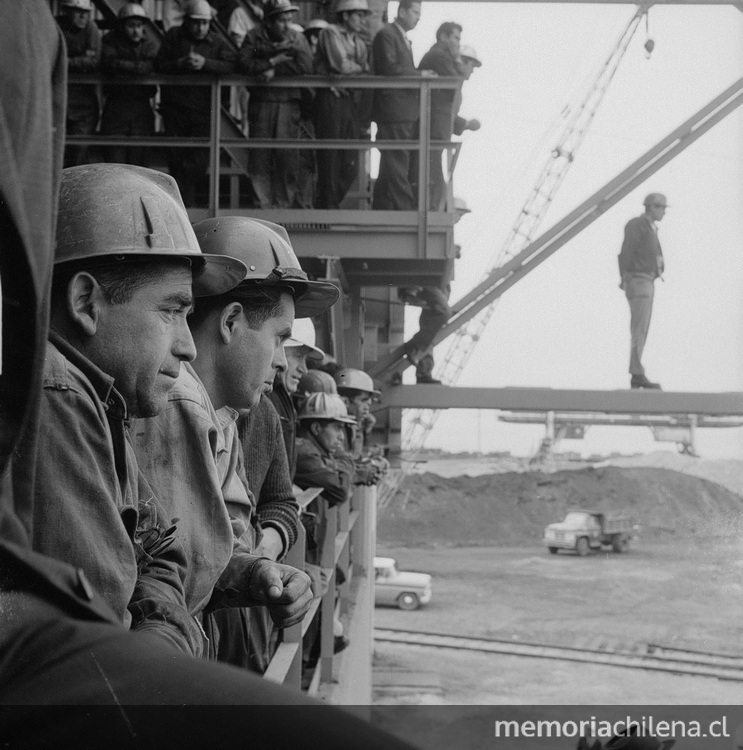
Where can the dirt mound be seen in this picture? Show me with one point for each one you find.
(515, 507)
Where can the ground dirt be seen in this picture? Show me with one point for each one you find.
(680, 585)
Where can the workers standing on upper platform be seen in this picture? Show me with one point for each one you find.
(396, 111)
(640, 264)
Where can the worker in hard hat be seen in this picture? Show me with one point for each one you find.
(272, 51)
(640, 264)
(277, 514)
(129, 52)
(191, 49)
(444, 59)
(83, 41)
(126, 260)
(192, 454)
(341, 51)
(312, 33)
(470, 60)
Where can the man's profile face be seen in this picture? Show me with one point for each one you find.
(409, 17)
(278, 25)
(197, 28)
(78, 18)
(256, 355)
(354, 20)
(359, 405)
(452, 41)
(657, 209)
(296, 366)
(141, 343)
(134, 30)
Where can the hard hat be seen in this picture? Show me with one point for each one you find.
(655, 198)
(316, 24)
(297, 27)
(316, 381)
(199, 10)
(79, 4)
(274, 7)
(132, 10)
(265, 248)
(303, 334)
(466, 51)
(357, 380)
(325, 406)
(344, 5)
(460, 206)
(125, 212)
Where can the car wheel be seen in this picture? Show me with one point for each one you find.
(553, 550)
(581, 547)
(408, 601)
(620, 543)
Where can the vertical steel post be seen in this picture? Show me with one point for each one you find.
(216, 122)
(424, 149)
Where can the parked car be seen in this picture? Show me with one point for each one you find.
(397, 588)
(584, 530)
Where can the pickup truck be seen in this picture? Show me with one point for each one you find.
(584, 530)
(398, 588)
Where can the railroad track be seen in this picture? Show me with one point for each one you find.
(657, 658)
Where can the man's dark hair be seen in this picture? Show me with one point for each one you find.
(119, 280)
(259, 305)
(408, 4)
(447, 29)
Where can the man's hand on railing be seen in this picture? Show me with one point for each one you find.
(285, 591)
(429, 74)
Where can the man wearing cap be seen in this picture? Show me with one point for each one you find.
(126, 258)
(341, 52)
(396, 111)
(128, 52)
(271, 51)
(83, 40)
(640, 264)
(445, 60)
(192, 454)
(470, 60)
(191, 49)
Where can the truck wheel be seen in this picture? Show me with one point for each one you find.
(581, 547)
(553, 550)
(408, 601)
(620, 543)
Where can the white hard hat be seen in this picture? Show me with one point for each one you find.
(466, 51)
(303, 334)
(199, 10)
(325, 406)
(79, 4)
(132, 10)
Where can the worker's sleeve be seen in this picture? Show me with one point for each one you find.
(336, 480)
(224, 60)
(331, 47)
(386, 60)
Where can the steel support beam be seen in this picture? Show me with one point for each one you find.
(548, 399)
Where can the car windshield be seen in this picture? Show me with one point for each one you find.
(578, 520)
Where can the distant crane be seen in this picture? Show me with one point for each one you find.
(576, 120)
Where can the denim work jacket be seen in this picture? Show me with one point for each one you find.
(94, 509)
(191, 455)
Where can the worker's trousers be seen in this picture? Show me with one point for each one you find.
(639, 289)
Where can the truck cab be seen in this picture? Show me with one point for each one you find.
(583, 530)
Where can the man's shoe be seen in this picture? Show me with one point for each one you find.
(640, 381)
(340, 642)
(424, 380)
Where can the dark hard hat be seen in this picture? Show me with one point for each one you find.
(127, 213)
(356, 380)
(273, 7)
(265, 249)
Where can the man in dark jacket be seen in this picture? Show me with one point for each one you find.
(128, 52)
(640, 264)
(191, 49)
(83, 40)
(396, 111)
(444, 59)
(273, 51)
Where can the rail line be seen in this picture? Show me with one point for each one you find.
(658, 658)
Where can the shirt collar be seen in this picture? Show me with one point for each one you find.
(103, 384)
(401, 30)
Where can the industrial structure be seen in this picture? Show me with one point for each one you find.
(371, 254)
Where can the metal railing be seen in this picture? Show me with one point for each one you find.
(235, 144)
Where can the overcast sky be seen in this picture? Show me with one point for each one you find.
(567, 324)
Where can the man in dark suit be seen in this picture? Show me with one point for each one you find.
(640, 264)
(396, 111)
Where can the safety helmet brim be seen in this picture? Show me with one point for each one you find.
(343, 420)
(312, 351)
